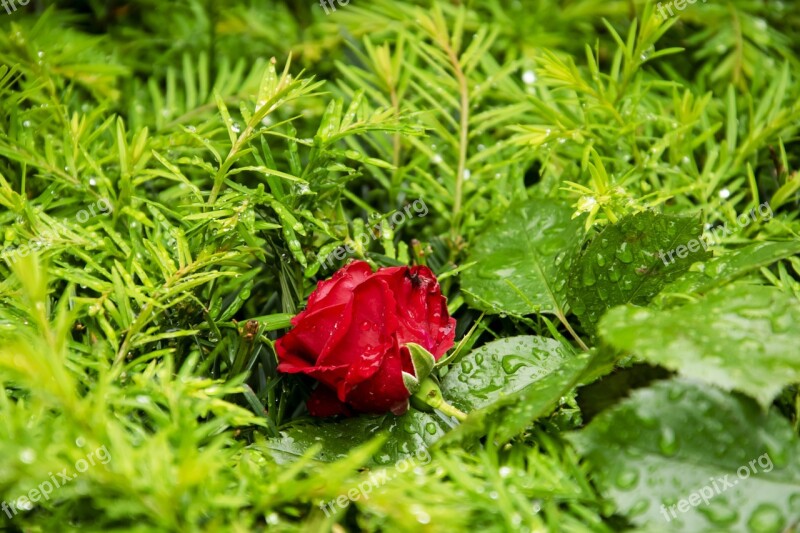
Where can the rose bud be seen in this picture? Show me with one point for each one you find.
(355, 333)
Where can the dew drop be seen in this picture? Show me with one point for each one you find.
(624, 253)
(719, 512)
(588, 278)
(529, 77)
(766, 518)
(27, 456)
(668, 443)
(627, 479)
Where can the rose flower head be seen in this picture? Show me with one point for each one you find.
(353, 337)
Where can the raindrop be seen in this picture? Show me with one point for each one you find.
(719, 512)
(24, 504)
(613, 273)
(601, 261)
(529, 77)
(627, 479)
(668, 443)
(422, 517)
(624, 253)
(766, 517)
(27, 456)
(512, 363)
(589, 278)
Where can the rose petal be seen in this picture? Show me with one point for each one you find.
(383, 391)
(370, 334)
(421, 308)
(310, 336)
(323, 403)
(339, 288)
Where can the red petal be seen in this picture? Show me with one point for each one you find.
(369, 333)
(310, 335)
(421, 308)
(338, 289)
(385, 390)
(323, 402)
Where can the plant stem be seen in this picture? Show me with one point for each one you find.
(463, 89)
(430, 395)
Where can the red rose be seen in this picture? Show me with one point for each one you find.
(352, 337)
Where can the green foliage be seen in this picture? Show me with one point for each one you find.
(748, 343)
(647, 456)
(500, 368)
(630, 262)
(520, 262)
(175, 177)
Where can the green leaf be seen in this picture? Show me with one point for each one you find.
(676, 439)
(741, 337)
(501, 368)
(521, 260)
(725, 269)
(624, 264)
(423, 362)
(406, 435)
(509, 415)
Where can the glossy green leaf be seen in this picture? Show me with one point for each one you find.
(628, 263)
(405, 434)
(725, 269)
(681, 456)
(509, 415)
(521, 260)
(741, 337)
(501, 368)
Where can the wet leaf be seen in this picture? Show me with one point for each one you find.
(681, 441)
(740, 337)
(629, 262)
(522, 260)
(501, 368)
(506, 415)
(407, 436)
(722, 270)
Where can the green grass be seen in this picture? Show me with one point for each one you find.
(173, 174)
